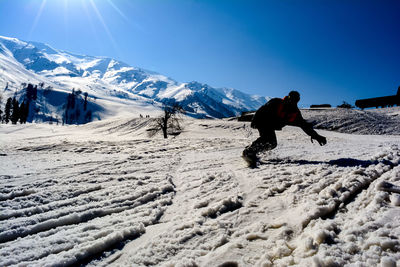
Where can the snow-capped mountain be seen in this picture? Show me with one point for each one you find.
(114, 82)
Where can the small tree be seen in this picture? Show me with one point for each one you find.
(30, 92)
(169, 122)
(15, 111)
(69, 107)
(88, 116)
(24, 112)
(7, 110)
(35, 92)
(85, 103)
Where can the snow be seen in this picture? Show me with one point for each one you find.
(179, 92)
(33, 62)
(104, 194)
(14, 73)
(372, 121)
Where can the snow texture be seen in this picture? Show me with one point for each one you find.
(372, 121)
(104, 194)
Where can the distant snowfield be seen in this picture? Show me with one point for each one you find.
(104, 194)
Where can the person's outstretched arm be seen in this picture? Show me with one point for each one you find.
(308, 129)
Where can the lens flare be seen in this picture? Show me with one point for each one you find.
(90, 19)
(93, 12)
(119, 11)
(35, 22)
(66, 23)
(126, 18)
(101, 19)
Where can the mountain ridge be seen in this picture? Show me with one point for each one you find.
(113, 80)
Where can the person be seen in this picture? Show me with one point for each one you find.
(272, 116)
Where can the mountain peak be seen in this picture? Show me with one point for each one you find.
(103, 77)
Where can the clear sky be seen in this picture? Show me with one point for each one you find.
(330, 51)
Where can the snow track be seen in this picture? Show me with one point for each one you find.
(71, 212)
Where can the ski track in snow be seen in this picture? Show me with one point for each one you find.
(74, 211)
(71, 199)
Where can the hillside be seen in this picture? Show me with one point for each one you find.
(373, 121)
(115, 85)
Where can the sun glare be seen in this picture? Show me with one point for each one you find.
(102, 21)
(35, 22)
(118, 10)
(92, 10)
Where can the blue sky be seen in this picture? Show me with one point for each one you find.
(330, 51)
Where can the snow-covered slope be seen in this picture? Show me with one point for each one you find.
(373, 121)
(106, 78)
(13, 73)
(104, 194)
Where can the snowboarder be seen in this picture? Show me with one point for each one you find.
(272, 116)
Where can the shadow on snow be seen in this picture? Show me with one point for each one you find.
(342, 162)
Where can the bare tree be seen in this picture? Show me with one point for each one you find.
(169, 123)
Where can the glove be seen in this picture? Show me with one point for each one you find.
(320, 139)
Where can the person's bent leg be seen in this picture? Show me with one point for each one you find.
(266, 141)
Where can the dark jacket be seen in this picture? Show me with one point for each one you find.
(277, 113)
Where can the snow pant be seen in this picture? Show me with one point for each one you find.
(266, 141)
